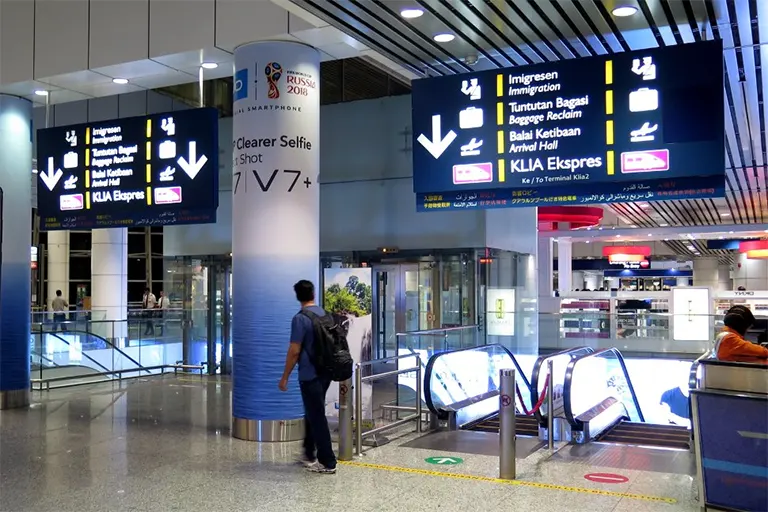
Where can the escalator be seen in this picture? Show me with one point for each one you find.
(456, 376)
(462, 387)
(600, 404)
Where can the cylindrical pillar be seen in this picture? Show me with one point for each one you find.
(15, 277)
(345, 420)
(109, 283)
(275, 227)
(507, 425)
(564, 266)
(58, 265)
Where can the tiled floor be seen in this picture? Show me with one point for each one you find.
(164, 445)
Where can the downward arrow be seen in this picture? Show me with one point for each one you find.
(51, 178)
(193, 166)
(438, 144)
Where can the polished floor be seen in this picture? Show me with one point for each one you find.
(163, 444)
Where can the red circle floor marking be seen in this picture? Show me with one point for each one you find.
(606, 478)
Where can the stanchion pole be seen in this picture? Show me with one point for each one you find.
(507, 449)
(419, 387)
(358, 409)
(550, 406)
(345, 420)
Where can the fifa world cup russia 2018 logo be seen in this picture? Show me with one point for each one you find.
(273, 71)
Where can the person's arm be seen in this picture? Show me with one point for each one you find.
(736, 346)
(294, 351)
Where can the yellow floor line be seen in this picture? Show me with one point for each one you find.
(537, 485)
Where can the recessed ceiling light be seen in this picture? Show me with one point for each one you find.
(209, 65)
(730, 232)
(618, 236)
(120, 81)
(411, 13)
(721, 238)
(725, 214)
(41, 92)
(444, 38)
(650, 234)
(623, 11)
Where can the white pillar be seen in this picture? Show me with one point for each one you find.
(109, 282)
(578, 280)
(546, 267)
(15, 297)
(564, 266)
(275, 227)
(706, 272)
(58, 264)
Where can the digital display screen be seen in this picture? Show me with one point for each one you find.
(152, 170)
(644, 125)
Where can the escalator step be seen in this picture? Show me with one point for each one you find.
(649, 441)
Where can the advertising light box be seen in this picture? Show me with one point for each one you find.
(152, 170)
(635, 126)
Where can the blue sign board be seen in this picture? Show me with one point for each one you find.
(152, 170)
(733, 434)
(634, 126)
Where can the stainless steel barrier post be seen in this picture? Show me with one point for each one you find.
(345, 420)
(358, 409)
(507, 447)
(550, 406)
(418, 394)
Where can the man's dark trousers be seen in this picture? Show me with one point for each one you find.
(318, 435)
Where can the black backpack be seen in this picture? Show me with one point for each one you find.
(332, 358)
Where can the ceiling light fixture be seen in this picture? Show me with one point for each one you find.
(725, 214)
(209, 65)
(41, 92)
(623, 11)
(663, 224)
(411, 13)
(120, 81)
(444, 38)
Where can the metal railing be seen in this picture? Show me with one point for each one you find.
(345, 437)
(45, 384)
(453, 338)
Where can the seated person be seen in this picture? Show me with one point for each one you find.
(730, 343)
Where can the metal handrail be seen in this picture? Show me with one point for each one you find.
(385, 359)
(430, 332)
(106, 341)
(358, 410)
(163, 367)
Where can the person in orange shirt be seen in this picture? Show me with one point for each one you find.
(730, 343)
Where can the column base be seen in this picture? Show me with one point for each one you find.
(268, 431)
(14, 399)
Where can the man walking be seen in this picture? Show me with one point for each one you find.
(148, 304)
(60, 308)
(313, 385)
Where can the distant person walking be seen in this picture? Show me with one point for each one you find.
(149, 302)
(60, 309)
(318, 452)
(162, 304)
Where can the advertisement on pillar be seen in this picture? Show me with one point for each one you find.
(275, 216)
(347, 295)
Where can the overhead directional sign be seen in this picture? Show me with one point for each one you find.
(635, 126)
(152, 170)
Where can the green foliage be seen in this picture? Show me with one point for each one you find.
(357, 301)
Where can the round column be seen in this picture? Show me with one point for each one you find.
(109, 283)
(275, 227)
(15, 273)
(58, 265)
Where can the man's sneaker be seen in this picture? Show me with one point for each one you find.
(305, 461)
(319, 468)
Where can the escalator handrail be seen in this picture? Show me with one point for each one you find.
(569, 380)
(442, 414)
(693, 375)
(106, 341)
(537, 372)
(42, 357)
(55, 335)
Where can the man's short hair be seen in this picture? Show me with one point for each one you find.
(58, 293)
(305, 291)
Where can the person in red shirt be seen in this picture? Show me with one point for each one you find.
(730, 343)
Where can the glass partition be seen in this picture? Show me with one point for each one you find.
(467, 382)
(592, 378)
